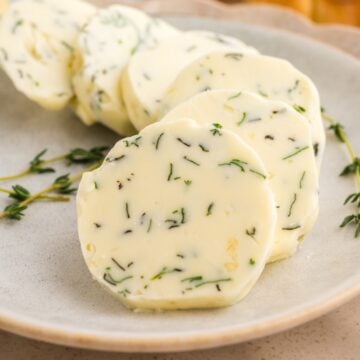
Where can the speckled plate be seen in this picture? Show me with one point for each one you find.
(47, 293)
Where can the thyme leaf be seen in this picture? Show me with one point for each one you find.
(19, 193)
(353, 199)
(352, 168)
(62, 185)
(353, 219)
(14, 211)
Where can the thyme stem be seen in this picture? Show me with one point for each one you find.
(347, 144)
(15, 176)
(353, 168)
(46, 197)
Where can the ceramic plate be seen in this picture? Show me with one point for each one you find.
(47, 293)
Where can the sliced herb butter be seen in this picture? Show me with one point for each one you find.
(151, 72)
(37, 41)
(267, 76)
(180, 216)
(103, 49)
(282, 139)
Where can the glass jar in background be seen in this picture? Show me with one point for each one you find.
(330, 11)
(337, 11)
(303, 6)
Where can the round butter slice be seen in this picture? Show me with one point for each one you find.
(103, 49)
(267, 76)
(282, 139)
(37, 41)
(180, 216)
(150, 73)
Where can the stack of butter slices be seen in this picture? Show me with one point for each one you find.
(37, 44)
(222, 177)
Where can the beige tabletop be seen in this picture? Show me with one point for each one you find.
(335, 336)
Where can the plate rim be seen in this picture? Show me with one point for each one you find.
(175, 343)
(21, 325)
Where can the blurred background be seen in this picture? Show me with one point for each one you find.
(324, 11)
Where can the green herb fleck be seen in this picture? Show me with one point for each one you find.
(301, 182)
(203, 148)
(124, 292)
(251, 232)
(299, 108)
(134, 142)
(149, 226)
(117, 264)
(165, 271)
(127, 210)
(252, 261)
(294, 87)
(292, 205)
(174, 223)
(67, 46)
(191, 161)
(18, 23)
(263, 93)
(290, 228)
(118, 158)
(216, 129)
(171, 169)
(109, 279)
(234, 56)
(157, 143)
(213, 282)
(187, 144)
(192, 279)
(243, 118)
(234, 96)
(209, 209)
(235, 162)
(258, 173)
(297, 151)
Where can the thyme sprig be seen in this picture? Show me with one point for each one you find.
(61, 185)
(351, 169)
(39, 165)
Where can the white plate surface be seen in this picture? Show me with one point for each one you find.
(47, 293)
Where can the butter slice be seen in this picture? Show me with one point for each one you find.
(282, 139)
(150, 73)
(37, 41)
(103, 49)
(267, 76)
(177, 218)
